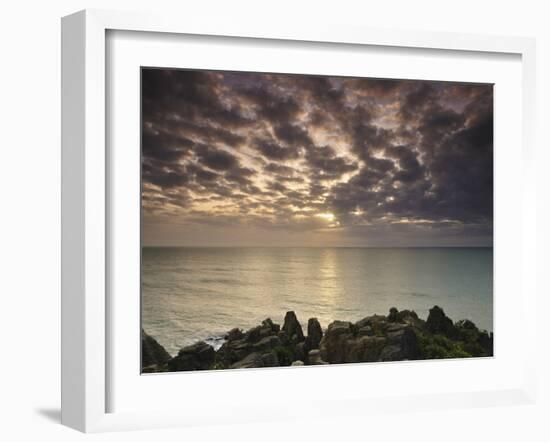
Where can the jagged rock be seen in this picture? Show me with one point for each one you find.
(297, 364)
(345, 343)
(393, 316)
(402, 345)
(271, 325)
(253, 360)
(233, 351)
(199, 356)
(253, 335)
(439, 323)
(400, 336)
(282, 335)
(391, 353)
(314, 334)
(393, 327)
(234, 334)
(152, 353)
(266, 344)
(333, 343)
(300, 351)
(409, 317)
(376, 322)
(365, 331)
(293, 328)
(363, 349)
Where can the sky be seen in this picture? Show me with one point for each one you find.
(262, 159)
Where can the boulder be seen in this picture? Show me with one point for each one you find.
(391, 353)
(253, 335)
(253, 360)
(297, 364)
(234, 334)
(233, 351)
(314, 358)
(266, 344)
(199, 356)
(402, 345)
(363, 349)
(152, 353)
(377, 323)
(300, 351)
(365, 331)
(409, 317)
(292, 328)
(283, 337)
(268, 323)
(439, 323)
(394, 315)
(333, 344)
(314, 334)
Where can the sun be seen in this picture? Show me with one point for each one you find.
(326, 216)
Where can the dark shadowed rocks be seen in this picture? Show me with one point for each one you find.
(401, 335)
(266, 344)
(300, 351)
(402, 344)
(439, 323)
(234, 334)
(314, 334)
(199, 356)
(292, 327)
(270, 359)
(268, 323)
(253, 360)
(314, 358)
(152, 353)
(371, 339)
(393, 316)
(333, 345)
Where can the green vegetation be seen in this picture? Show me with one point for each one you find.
(285, 354)
(439, 346)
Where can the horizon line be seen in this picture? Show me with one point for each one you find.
(316, 247)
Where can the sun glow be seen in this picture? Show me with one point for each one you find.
(326, 216)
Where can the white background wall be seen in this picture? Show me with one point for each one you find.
(30, 216)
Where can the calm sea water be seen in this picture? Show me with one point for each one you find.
(190, 294)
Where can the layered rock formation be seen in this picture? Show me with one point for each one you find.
(153, 355)
(401, 335)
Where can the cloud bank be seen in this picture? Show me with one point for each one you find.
(274, 159)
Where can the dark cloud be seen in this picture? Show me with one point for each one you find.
(216, 159)
(274, 151)
(291, 152)
(326, 165)
(292, 135)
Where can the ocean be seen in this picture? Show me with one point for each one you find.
(194, 293)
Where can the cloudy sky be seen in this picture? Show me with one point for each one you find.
(248, 159)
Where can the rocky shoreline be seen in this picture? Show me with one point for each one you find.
(399, 336)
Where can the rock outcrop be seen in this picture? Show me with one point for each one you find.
(314, 334)
(199, 356)
(292, 328)
(438, 322)
(401, 335)
(153, 355)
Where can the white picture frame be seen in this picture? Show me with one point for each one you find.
(86, 204)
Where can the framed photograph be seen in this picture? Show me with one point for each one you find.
(252, 209)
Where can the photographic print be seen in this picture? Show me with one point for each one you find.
(294, 220)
